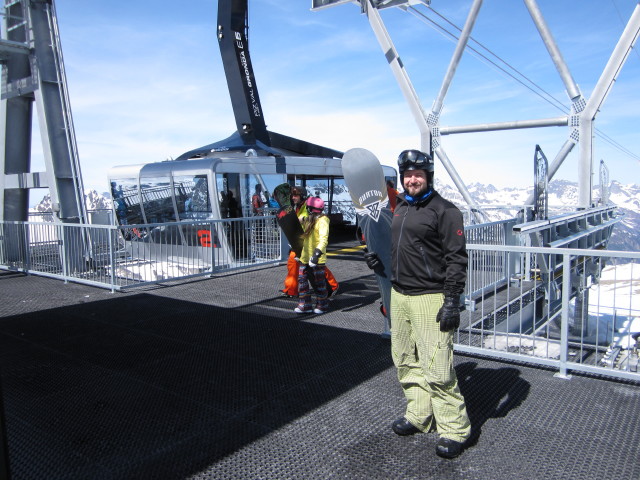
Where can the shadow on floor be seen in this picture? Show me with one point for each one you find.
(151, 384)
(490, 393)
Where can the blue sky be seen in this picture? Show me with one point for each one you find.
(146, 81)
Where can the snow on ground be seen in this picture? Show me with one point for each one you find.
(155, 271)
(615, 298)
(614, 316)
(526, 345)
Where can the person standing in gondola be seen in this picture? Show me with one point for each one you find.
(258, 201)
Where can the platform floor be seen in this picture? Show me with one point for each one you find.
(218, 378)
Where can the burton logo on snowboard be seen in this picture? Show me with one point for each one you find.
(372, 209)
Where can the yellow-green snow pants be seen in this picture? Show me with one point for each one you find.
(423, 356)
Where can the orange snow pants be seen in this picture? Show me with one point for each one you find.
(291, 281)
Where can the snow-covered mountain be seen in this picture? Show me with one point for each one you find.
(93, 200)
(563, 197)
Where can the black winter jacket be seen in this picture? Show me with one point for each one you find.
(428, 249)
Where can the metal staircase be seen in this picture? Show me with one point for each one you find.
(33, 70)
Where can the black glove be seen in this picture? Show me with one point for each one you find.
(372, 259)
(313, 261)
(449, 314)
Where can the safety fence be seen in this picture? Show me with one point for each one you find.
(494, 212)
(488, 270)
(118, 257)
(580, 314)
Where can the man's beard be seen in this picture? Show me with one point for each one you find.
(420, 192)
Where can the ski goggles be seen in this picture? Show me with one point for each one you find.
(414, 160)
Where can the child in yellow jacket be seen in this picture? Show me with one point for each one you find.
(313, 258)
(298, 201)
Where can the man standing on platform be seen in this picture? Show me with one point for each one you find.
(429, 270)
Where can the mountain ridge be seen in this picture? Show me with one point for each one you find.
(563, 197)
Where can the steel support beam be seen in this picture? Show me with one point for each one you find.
(8, 48)
(489, 127)
(455, 59)
(16, 113)
(603, 87)
(434, 118)
(33, 69)
(569, 83)
(54, 116)
(442, 155)
(399, 72)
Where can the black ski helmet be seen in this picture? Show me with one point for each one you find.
(299, 191)
(415, 160)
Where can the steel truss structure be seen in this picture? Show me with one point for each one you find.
(582, 110)
(33, 72)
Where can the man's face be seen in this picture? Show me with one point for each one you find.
(415, 182)
(295, 199)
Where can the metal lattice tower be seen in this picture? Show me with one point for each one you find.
(583, 111)
(33, 72)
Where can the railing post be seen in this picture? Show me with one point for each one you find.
(3, 250)
(113, 232)
(27, 246)
(63, 246)
(213, 250)
(564, 326)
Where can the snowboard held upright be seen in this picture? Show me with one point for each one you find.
(368, 190)
(287, 218)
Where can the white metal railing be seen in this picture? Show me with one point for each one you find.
(587, 320)
(492, 213)
(132, 255)
(488, 270)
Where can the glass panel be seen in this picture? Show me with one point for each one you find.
(157, 199)
(257, 194)
(228, 186)
(391, 179)
(229, 191)
(334, 192)
(192, 197)
(182, 187)
(341, 205)
(318, 187)
(270, 182)
(126, 201)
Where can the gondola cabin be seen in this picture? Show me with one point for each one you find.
(220, 188)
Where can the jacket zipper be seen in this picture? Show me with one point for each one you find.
(424, 259)
(400, 239)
